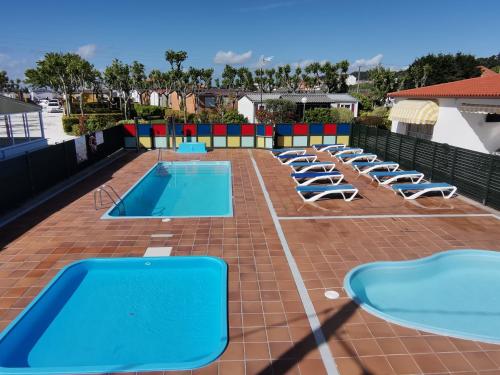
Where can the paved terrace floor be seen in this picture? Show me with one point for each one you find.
(269, 329)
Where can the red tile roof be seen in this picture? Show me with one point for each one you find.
(481, 87)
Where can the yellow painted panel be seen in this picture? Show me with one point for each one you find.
(178, 141)
(315, 139)
(285, 141)
(233, 141)
(344, 139)
(206, 140)
(145, 142)
(261, 142)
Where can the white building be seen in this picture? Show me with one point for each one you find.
(249, 103)
(464, 113)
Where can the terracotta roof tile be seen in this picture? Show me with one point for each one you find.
(481, 87)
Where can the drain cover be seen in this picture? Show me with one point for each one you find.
(332, 294)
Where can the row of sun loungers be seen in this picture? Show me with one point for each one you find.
(307, 171)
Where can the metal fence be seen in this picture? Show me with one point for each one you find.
(25, 176)
(477, 175)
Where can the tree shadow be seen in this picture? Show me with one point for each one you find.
(328, 329)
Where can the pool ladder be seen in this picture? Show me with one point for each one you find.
(111, 194)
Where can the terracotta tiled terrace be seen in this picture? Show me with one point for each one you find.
(269, 329)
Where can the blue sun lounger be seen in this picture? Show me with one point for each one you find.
(367, 166)
(304, 166)
(345, 150)
(328, 146)
(386, 178)
(290, 158)
(349, 158)
(312, 193)
(307, 178)
(275, 152)
(413, 191)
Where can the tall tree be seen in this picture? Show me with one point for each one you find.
(138, 78)
(178, 77)
(4, 80)
(53, 72)
(433, 69)
(117, 77)
(384, 81)
(83, 74)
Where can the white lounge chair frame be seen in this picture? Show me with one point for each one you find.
(370, 158)
(308, 158)
(329, 167)
(354, 150)
(329, 147)
(288, 152)
(334, 179)
(320, 195)
(452, 190)
(389, 167)
(414, 177)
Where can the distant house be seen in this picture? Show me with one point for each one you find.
(250, 102)
(464, 113)
(207, 99)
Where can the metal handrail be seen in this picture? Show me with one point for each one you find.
(117, 200)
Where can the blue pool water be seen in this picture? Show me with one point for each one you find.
(179, 189)
(124, 314)
(455, 293)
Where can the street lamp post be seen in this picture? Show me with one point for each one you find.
(304, 101)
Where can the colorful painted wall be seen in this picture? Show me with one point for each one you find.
(235, 135)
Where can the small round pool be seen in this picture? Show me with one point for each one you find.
(454, 293)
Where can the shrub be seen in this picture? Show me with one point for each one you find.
(146, 111)
(103, 121)
(323, 115)
(344, 115)
(68, 122)
(276, 111)
(233, 117)
(375, 121)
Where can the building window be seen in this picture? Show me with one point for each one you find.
(348, 106)
(420, 131)
(492, 117)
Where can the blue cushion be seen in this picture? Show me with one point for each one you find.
(423, 186)
(321, 188)
(314, 174)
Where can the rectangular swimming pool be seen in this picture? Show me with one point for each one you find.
(179, 189)
(122, 314)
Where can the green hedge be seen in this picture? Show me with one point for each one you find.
(146, 111)
(93, 122)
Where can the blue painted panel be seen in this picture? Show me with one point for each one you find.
(343, 129)
(178, 129)
(233, 129)
(283, 129)
(316, 129)
(204, 129)
(144, 129)
(261, 129)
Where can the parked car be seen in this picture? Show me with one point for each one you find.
(54, 107)
(43, 102)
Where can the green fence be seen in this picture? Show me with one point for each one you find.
(25, 176)
(477, 175)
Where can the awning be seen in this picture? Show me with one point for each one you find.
(415, 112)
(479, 108)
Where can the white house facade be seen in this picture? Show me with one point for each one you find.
(463, 113)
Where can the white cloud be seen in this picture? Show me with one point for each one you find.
(367, 63)
(87, 51)
(230, 57)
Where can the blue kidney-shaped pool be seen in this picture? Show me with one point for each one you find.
(454, 293)
(122, 314)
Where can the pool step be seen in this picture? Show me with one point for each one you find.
(158, 251)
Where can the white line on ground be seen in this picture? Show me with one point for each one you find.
(385, 216)
(162, 235)
(324, 349)
(158, 252)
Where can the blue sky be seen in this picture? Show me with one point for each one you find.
(391, 32)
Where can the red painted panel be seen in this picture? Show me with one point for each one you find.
(330, 129)
(159, 130)
(130, 130)
(219, 129)
(269, 130)
(300, 129)
(189, 130)
(247, 129)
